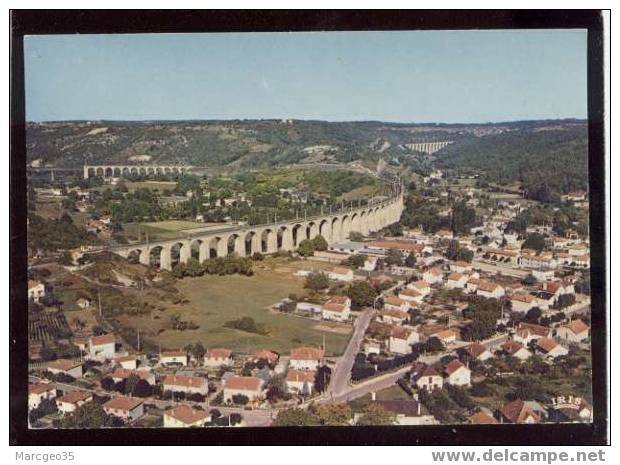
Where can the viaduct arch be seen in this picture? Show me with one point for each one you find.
(117, 171)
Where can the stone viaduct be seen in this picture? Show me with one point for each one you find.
(109, 171)
(428, 147)
(266, 239)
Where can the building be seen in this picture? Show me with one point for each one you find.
(420, 286)
(300, 382)
(407, 412)
(456, 281)
(460, 267)
(83, 302)
(185, 416)
(522, 412)
(482, 418)
(478, 351)
(72, 400)
(426, 377)
(306, 358)
(549, 348)
(128, 362)
(341, 273)
(271, 357)
(521, 302)
(527, 332)
(575, 331)
(446, 336)
(411, 295)
(396, 303)
(433, 276)
(36, 290)
(457, 374)
(67, 367)
(248, 386)
(393, 317)
(126, 408)
(38, 392)
(121, 374)
(515, 349)
(186, 384)
(401, 339)
(216, 358)
(102, 347)
(490, 290)
(338, 308)
(174, 357)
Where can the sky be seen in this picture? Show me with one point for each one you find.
(411, 77)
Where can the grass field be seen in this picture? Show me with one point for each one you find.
(214, 300)
(160, 229)
(151, 185)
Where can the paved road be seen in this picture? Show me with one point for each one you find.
(342, 370)
(372, 385)
(505, 270)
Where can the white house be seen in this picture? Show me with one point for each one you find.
(456, 281)
(550, 348)
(411, 295)
(83, 302)
(393, 317)
(426, 377)
(432, 276)
(102, 347)
(460, 267)
(38, 392)
(300, 381)
(340, 273)
(338, 308)
(306, 358)
(128, 362)
(457, 374)
(185, 416)
(67, 367)
(527, 332)
(401, 339)
(186, 384)
(396, 303)
(248, 386)
(478, 351)
(575, 331)
(406, 412)
(36, 290)
(420, 286)
(72, 400)
(216, 358)
(516, 349)
(490, 290)
(521, 302)
(121, 374)
(126, 408)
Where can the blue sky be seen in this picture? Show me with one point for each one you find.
(447, 76)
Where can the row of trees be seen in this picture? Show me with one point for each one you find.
(335, 415)
(231, 264)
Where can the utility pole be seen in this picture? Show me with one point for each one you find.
(99, 305)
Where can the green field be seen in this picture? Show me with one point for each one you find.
(151, 185)
(214, 300)
(161, 229)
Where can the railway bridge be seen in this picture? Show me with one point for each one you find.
(267, 238)
(109, 171)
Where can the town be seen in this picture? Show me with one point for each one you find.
(170, 297)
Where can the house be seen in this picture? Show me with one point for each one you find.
(482, 418)
(248, 386)
(121, 374)
(341, 273)
(426, 377)
(393, 317)
(83, 302)
(515, 349)
(128, 362)
(446, 336)
(477, 351)
(102, 347)
(299, 381)
(338, 308)
(216, 358)
(381, 280)
(522, 412)
(126, 408)
(420, 286)
(527, 332)
(372, 347)
(406, 247)
(407, 412)
(185, 416)
(490, 290)
(395, 303)
(457, 374)
(522, 302)
(173, 357)
(411, 295)
(271, 357)
(401, 339)
(575, 331)
(36, 290)
(460, 267)
(550, 348)
(472, 284)
(39, 391)
(72, 400)
(533, 261)
(306, 358)
(67, 367)
(433, 276)
(186, 384)
(456, 281)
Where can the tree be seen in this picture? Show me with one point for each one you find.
(434, 344)
(394, 257)
(142, 389)
(240, 399)
(535, 242)
(463, 218)
(306, 248)
(484, 314)
(533, 315)
(452, 250)
(88, 415)
(316, 281)
(319, 243)
(356, 236)
(107, 383)
(374, 414)
(362, 294)
(322, 378)
(296, 417)
(410, 261)
(335, 414)
(130, 383)
(355, 261)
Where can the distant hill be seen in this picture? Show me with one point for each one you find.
(555, 156)
(251, 143)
